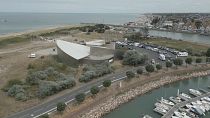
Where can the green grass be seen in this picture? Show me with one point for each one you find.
(13, 40)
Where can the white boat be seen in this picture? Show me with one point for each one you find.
(195, 92)
(178, 114)
(206, 98)
(163, 106)
(185, 95)
(147, 116)
(160, 110)
(174, 117)
(167, 102)
(175, 99)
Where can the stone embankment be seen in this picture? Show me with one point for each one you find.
(114, 102)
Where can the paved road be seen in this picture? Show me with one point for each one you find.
(51, 105)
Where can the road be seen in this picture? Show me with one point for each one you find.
(68, 97)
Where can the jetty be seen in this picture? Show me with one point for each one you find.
(170, 113)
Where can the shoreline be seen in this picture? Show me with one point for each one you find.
(38, 30)
(114, 102)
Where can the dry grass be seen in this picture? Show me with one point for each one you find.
(179, 44)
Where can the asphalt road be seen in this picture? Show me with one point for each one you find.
(35, 111)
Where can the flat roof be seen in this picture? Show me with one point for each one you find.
(74, 50)
(96, 43)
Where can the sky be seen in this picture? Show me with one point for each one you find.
(105, 6)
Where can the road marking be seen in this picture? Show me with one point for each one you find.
(54, 109)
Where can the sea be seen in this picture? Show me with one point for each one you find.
(20, 22)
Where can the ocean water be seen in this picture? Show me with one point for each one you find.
(19, 22)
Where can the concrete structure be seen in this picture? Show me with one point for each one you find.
(76, 54)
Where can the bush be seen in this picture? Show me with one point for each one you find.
(178, 62)
(139, 71)
(158, 66)
(61, 106)
(132, 57)
(94, 90)
(10, 83)
(21, 96)
(34, 77)
(80, 97)
(168, 64)
(208, 53)
(150, 68)
(207, 59)
(119, 54)
(188, 60)
(87, 76)
(130, 74)
(198, 60)
(47, 88)
(15, 89)
(66, 84)
(107, 83)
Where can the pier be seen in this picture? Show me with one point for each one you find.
(170, 113)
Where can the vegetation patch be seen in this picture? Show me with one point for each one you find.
(13, 40)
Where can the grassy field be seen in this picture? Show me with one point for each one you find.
(13, 40)
(178, 44)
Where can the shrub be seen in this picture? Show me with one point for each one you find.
(130, 74)
(61, 106)
(158, 66)
(119, 54)
(188, 60)
(21, 96)
(94, 90)
(208, 53)
(139, 71)
(34, 77)
(207, 59)
(107, 83)
(10, 83)
(150, 68)
(168, 64)
(132, 57)
(66, 84)
(87, 76)
(47, 88)
(178, 62)
(15, 89)
(198, 60)
(80, 97)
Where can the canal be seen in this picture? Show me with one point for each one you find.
(145, 104)
(183, 36)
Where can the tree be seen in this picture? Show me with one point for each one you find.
(119, 54)
(94, 90)
(150, 68)
(158, 66)
(178, 62)
(208, 53)
(132, 57)
(198, 60)
(61, 106)
(130, 74)
(44, 116)
(207, 59)
(168, 64)
(188, 60)
(107, 83)
(80, 97)
(139, 71)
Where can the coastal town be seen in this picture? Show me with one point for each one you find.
(104, 59)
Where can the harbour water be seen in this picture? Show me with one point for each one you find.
(182, 36)
(145, 104)
(19, 22)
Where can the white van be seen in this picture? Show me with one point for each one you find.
(32, 55)
(182, 54)
(162, 57)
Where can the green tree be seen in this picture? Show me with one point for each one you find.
(198, 60)
(119, 54)
(158, 66)
(168, 64)
(178, 62)
(150, 68)
(130, 74)
(94, 90)
(61, 106)
(207, 59)
(139, 71)
(133, 57)
(208, 53)
(188, 60)
(107, 83)
(80, 97)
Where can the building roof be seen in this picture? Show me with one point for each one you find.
(96, 43)
(74, 50)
